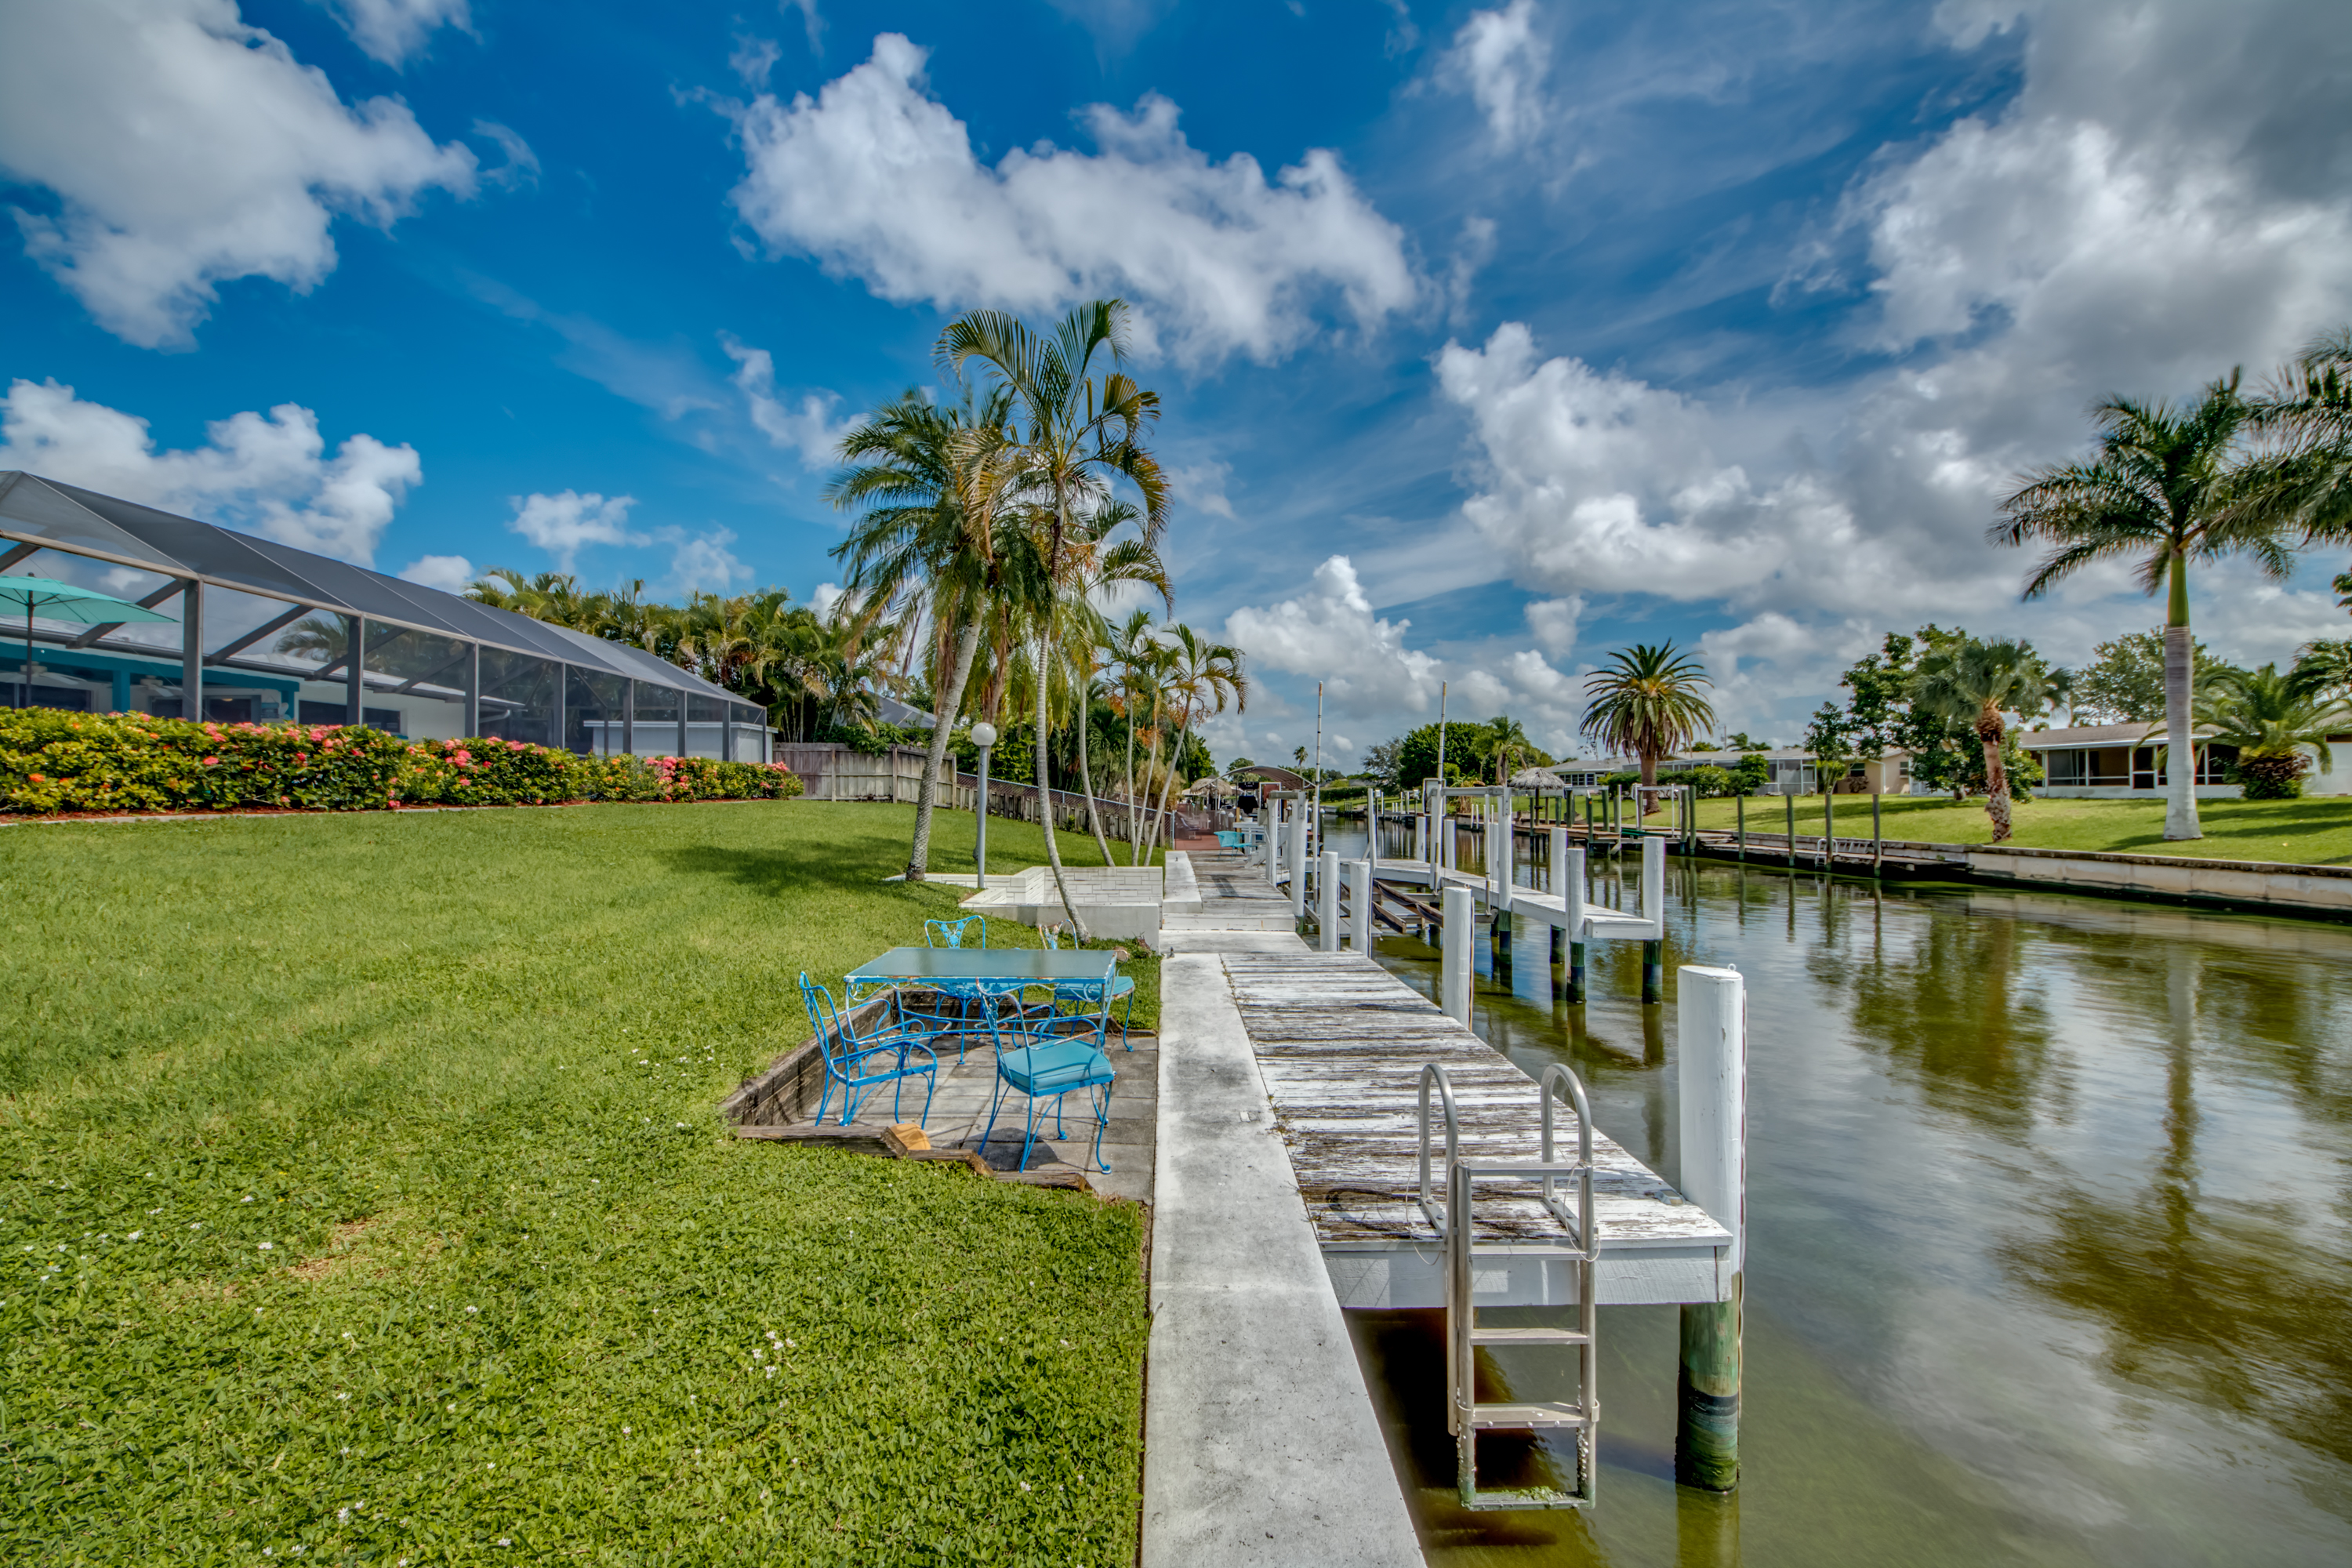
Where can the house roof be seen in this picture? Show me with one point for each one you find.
(50, 514)
(2082, 735)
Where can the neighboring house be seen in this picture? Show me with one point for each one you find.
(2121, 762)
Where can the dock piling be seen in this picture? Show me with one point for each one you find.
(1711, 1028)
(1654, 907)
(1297, 844)
(1326, 903)
(1459, 926)
(1360, 890)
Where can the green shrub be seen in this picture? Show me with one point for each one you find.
(53, 762)
(2277, 776)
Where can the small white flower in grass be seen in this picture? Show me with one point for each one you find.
(343, 1515)
(198, 1226)
(155, 1211)
(342, 1397)
(347, 1450)
(269, 1245)
(472, 1309)
(759, 1355)
(1024, 1486)
(624, 1431)
(453, 1410)
(134, 1235)
(504, 1541)
(246, 1199)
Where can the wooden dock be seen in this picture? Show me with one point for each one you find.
(1341, 1044)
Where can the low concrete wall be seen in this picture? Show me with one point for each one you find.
(2297, 890)
(1121, 902)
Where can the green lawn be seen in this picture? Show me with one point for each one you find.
(366, 1198)
(2310, 832)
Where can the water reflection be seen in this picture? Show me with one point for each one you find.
(2051, 1227)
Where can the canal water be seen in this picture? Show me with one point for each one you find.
(2050, 1234)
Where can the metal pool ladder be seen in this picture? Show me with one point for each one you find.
(1456, 1225)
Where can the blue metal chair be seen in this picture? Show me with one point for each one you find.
(1049, 1063)
(950, 934)
(962, 1023)
(1084, 990)
(860, 1064)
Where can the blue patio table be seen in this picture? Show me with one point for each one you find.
(1011, 967)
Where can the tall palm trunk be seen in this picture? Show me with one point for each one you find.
(1087, 770)
(918, 857)
(1133, 825)
(1045, 785)
(1989, 733)
(2179, 671)
(1167, 785)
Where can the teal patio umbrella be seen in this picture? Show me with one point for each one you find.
(64, 602)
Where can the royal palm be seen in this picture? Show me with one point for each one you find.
(2169, 486)
(1975, 684)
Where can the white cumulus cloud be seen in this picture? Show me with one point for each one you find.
(396, 31)
(184, 148)
(1501, 62)
(268, 474)
(810, 429)
(451, 574)
(567, 522)
(875, 179)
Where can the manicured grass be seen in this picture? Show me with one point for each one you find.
(2312, 832)
(366, 1197)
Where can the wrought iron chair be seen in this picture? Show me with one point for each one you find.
(1121, 985)
(1041, 1057)
(863, 1063)
(970, 996)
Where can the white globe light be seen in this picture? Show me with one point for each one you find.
(983, 734)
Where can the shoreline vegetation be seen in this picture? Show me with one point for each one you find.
(2310, 831)
(383, 1211)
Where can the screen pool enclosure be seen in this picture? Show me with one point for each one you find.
(264, 632)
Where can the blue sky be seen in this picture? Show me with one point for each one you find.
(1490, 337)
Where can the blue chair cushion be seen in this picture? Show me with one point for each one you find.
(1054, 1069)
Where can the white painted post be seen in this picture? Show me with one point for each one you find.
(1453, 969)
(1421, 835)
(1298, 859)
(1653, 882)
(1559, 862)
(1502, 850)
(1326, 903)
(1359, 889)
(1711, 1030)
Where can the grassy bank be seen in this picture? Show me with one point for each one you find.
(2316, 832)
(366, 1197)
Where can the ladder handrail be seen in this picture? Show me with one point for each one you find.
(1559, 1073)
(1433, 1073)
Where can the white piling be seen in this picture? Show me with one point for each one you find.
(1359, 892)
(1326, 903)
(1711, 1037)
(1559, 861)
(1297, 847)
(1502, 840)
(1421, 837)
(1460, 916)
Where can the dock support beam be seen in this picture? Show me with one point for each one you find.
(1654, 909)
(1326, 903)
(1460, 925)
(1569, 883)
(1500, 942)
(1297, 845)
(1711, 1027)
(1654, 972)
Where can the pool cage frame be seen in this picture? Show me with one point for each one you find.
(390, 653)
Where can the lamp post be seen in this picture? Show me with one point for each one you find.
(983, 735)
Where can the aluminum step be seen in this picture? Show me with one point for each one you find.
(1528, 1415)
(1527, 1337)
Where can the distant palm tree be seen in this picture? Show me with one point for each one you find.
(1137, 658)
(1078, 427)
(1645, 701)
(2169, 486)
(2326, 665)
(1975, 684)
(1202, 678)
(1507, 739)
(2268, 717)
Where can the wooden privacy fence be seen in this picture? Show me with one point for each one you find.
(831, 771)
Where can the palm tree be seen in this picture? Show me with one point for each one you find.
(1506, 739)
(1202, 678)
(2306, 484)
(1078, 428)
(1645, 701)
(2167, 486)
(1097, 565)
(1974, 684)
(922, 473)
(2326, 665)
(2268, 717)
(1135, 653)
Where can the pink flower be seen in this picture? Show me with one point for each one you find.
(212, 761)
(38, 778)
(514, 745)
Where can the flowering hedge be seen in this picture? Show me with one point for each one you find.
(52, 760)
